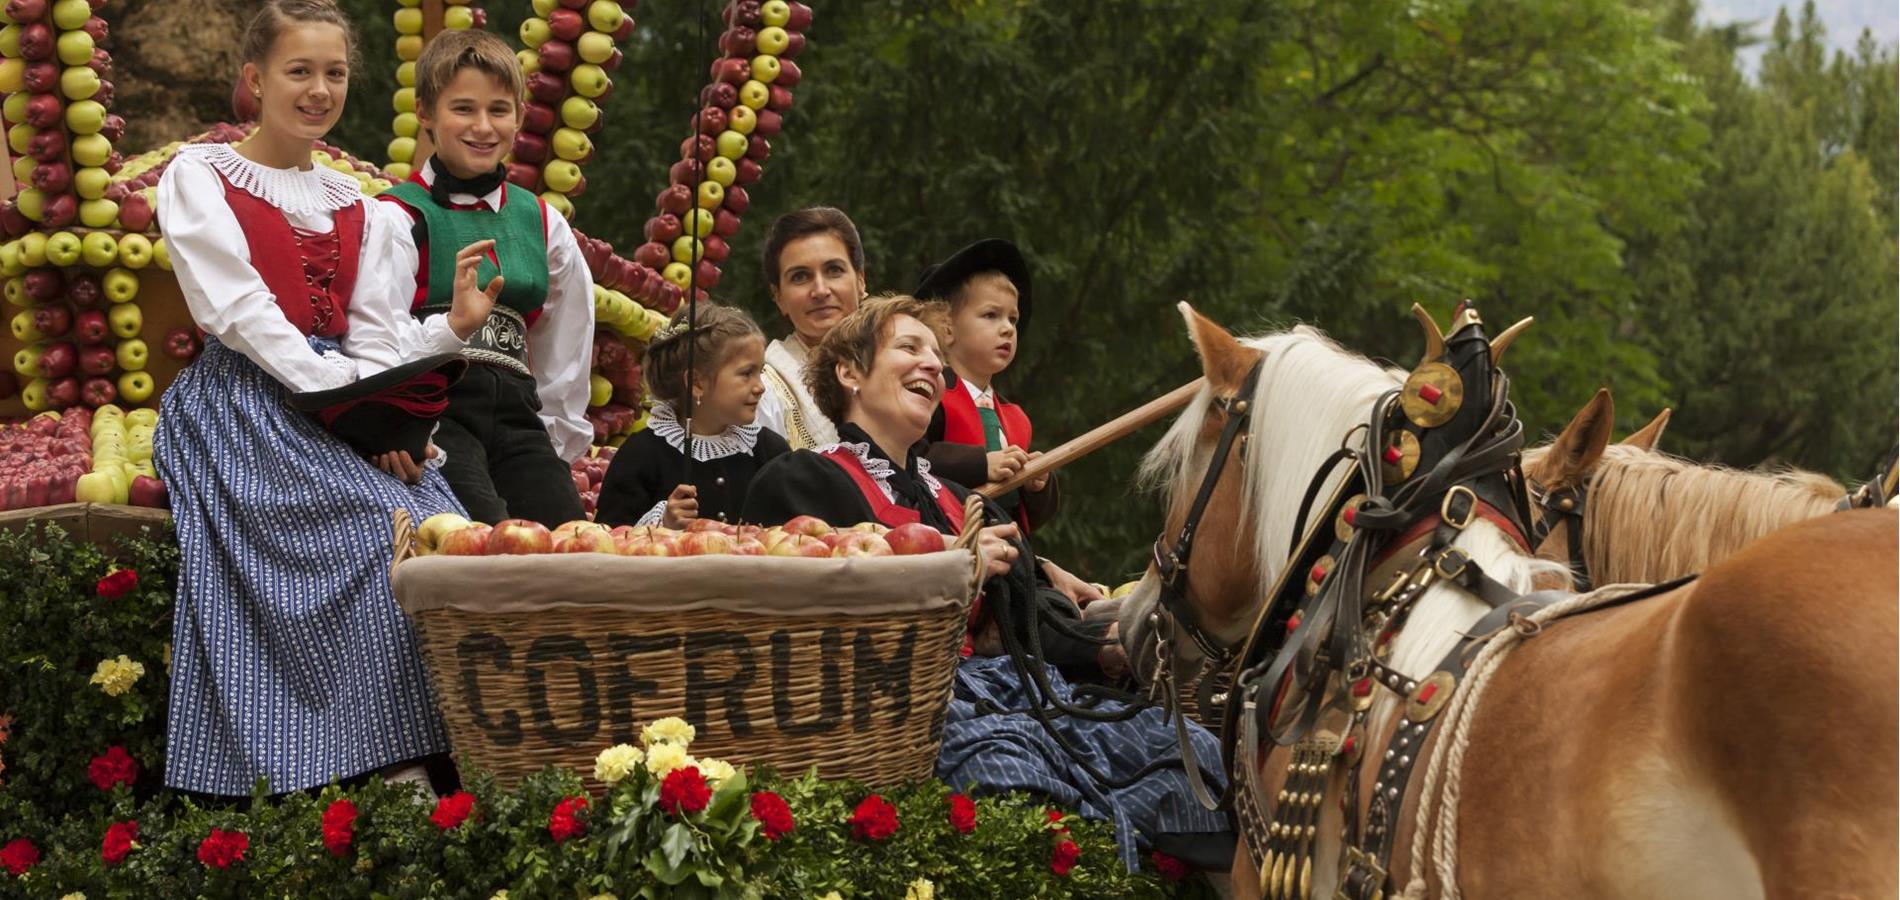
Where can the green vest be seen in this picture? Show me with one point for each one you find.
(521, 243)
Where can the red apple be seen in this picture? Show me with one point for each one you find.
(519, 174)
(781, 98)
(800, 18)
(97, 391)
(698, 526)
(653, 255)
(748, 547)
(537, 118)
(100, 63)
(53, 321)
(707, 543)
(63, 393)
(675, 199)
(48, 145)
(181, 343)
(244, 104)
(612, 64)
(53, 177)
(580, 482)
(732, 70)
(530, 148)
(739, 41)
(97, 360)
(749, 172)
(42, 285)
(663, 228)
(469, 540)
(807, 525)
(685, 172)
(746, 12)
(625, 29)
(60, 211)
(37, 41)
(701, 145)
(84, 290)
(59, 360)
(148, 491)
(12, 221)
(719, 94)
(770, 124)
(44, 110)
(914, 538)
(547, 88)
(788, 74)
(113, 130)
(860, 544)
(712, 120)
(794, 45)
(725, 225)
(707, 276)
(519, 537)
(556, 56)
(591, 540)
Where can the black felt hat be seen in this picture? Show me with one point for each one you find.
(988, 255)
(395, 409)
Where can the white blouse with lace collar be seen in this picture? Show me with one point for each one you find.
(880, 469)
(664, 422)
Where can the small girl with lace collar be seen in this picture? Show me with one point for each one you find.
(717, 363)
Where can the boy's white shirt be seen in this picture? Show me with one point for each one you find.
(561, 343)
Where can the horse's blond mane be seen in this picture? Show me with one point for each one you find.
(1650, 517)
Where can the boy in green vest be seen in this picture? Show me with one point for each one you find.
(515, 422)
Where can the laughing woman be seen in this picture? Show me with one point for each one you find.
(879, 374)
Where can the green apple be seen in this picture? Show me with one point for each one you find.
(78, 82)
(408, 20)
(24, 331)
(13, 82)
(722, 170)
(91, 149)
(409, 47)
(754, 95)
(132, 354)
(679, 273)
(406, 125)
(605, 15)
(91, 182)
(396, 171)
(773, 40)
(26, 361)
(99, 249)
(543, 7)
(135, 250)
(599, 390)
(63, 249)
(579, 112)
(594, 47)
(121, 285)
(71, 15)
(711, 195)
(571, 144)
(765, 68)
(10, 42)
(140, 417)
(32, 247)
(534, 32)
(10, 259)
(74, 48)
(86, 117)
(530, 61)
(731, 144)
(99, 213)
(458, 18)
(406, 75)
(589, 80)
(93, 487)
(697, 223)
(687, 249)
(20, 138)
(403, 149)
(23, 172)
(31, 202)
(775, 13)
(561, 175)
(162, 257)
(134, 387)
(126, 320)
(559, 203)
(405, 100)
(742, 119)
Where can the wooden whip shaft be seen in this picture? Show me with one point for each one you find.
(1097, 438)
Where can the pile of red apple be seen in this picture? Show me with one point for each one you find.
(752, 81)
(448, 534)
(58, 112)
(589, 471)
(42, 458)
(572, 46)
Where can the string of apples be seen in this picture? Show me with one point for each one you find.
(457, 15)
(741, 109)
(572, 49)
(58, 113)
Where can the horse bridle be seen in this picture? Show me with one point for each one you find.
(1563, 506)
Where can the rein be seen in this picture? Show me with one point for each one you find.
(1561, 506)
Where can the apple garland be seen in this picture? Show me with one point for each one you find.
(58, 112)
(572, 47)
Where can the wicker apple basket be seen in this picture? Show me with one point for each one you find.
(842, 664)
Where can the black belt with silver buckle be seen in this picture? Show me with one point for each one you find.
(501, 341)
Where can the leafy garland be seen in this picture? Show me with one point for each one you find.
(84, 640)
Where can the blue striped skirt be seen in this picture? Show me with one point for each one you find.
(290, 659)
(1011, 751)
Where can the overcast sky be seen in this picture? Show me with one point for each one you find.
(1844, 18)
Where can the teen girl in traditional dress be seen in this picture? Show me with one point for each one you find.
(650, 481)
(814, 266)
(291, 661)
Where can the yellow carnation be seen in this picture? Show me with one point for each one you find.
(831, 895)
(499, 895)
(616, 762)
(921, 889)
(74, 896)
(715, 770)
(603, 897)
(664, 758)
(670, 730)
(116, 676)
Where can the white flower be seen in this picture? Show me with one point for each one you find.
(921, 889)
(715, 770)
(664, 758)
(670, 730)
(616, 762)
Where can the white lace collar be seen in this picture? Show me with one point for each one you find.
(880, 469)
(318, 189)
(736, 440)
(494, 198)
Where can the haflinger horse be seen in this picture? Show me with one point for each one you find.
(1730, 737)
(1628, 513)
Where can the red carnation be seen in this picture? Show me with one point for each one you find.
(117, 584)
(18, 856)
(563, 822)
(339, 822)
(773, 813)
(1172, 869)
(116, 767)
(962, 813)
(452, 810)
(120, 838)
(222, 848)
(875, 819)
(684, 791)
(1066, 855)
(1055, 817)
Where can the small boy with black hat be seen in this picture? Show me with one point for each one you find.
(976, 436)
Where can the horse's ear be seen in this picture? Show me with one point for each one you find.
(1576, 451)
(1647, 436)
(1224, 359)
